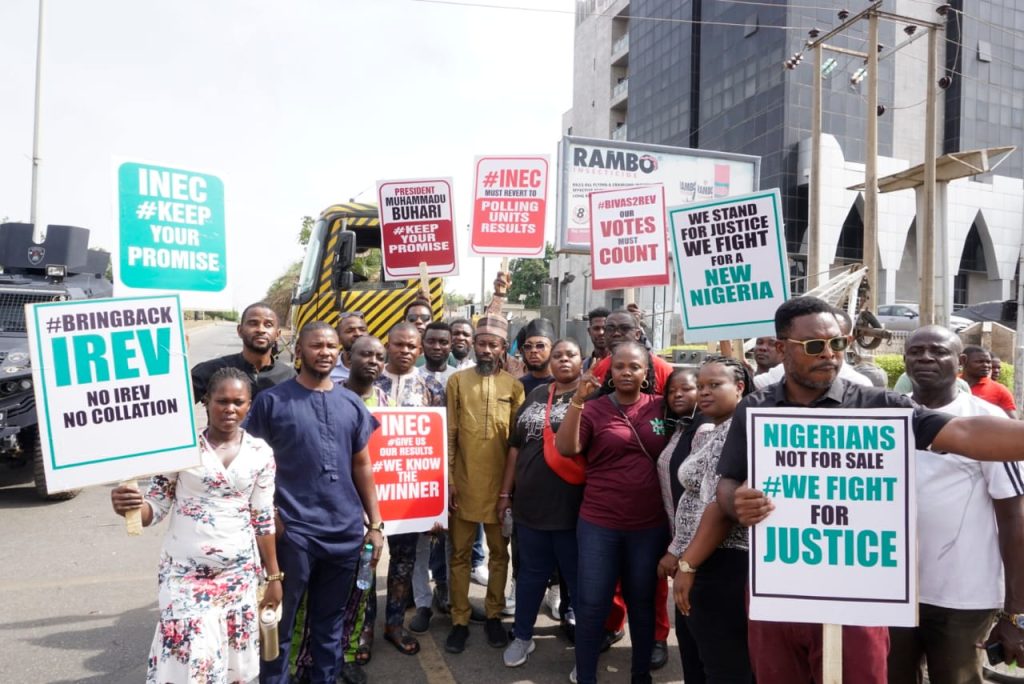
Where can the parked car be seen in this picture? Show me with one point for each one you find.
(1003, 312)
(908, 317)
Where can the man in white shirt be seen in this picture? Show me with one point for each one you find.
(969, 529)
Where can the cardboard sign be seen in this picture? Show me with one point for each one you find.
(731, 264)
(509, 206)
(113, 391)
(417, 225)
(841, 545)
(171, 235)
(628, 245)
(587, 165)
(409, 452)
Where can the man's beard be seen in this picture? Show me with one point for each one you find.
(486, 367)
(460, 354)
(535, 368)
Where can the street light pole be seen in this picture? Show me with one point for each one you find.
(814, 189)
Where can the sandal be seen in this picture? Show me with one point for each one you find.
(405, 643)
(365, 650)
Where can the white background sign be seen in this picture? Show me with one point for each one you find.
(841, 545)
(509, 206)
(113, 391)
(628, 240)
(590, 165)
(730, 258)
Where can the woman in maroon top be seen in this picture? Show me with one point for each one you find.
(622, 529)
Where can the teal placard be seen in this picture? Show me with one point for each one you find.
(172, 229)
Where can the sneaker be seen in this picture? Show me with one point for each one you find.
(456, 641)
(496, 634)
(553, 599)
(659, 655)
(352, 673)
(420, 622)
(479, 575)
(518, 651)
(612, 638)
(477, 616)
(510, 601)
(572, 675)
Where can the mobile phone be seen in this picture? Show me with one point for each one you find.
(995, 653)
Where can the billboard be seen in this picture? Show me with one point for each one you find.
(588, 165)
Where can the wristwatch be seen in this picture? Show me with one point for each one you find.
(1015, 619)
(686, 567)
(378, 526)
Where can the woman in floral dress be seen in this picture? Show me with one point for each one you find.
(221, 532)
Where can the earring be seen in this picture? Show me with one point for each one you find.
(645, 384)
(611, 383)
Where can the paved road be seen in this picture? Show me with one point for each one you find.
(79, 597)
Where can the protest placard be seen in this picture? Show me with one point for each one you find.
(628, 246)
(509, 206)
(587, 165)
(409, 453)
(417, 226)
(171, 235)
(730, 258)
(113, 391)
(841, 545)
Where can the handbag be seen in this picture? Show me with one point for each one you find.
(569, 468)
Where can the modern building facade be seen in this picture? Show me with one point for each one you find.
(709, 74)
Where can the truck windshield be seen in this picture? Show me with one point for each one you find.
(311, 263)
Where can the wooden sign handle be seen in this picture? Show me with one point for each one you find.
(424, 280)
(832, 654)
(133, 519)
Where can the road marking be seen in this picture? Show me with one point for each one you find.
(432, 662)
(34, 585)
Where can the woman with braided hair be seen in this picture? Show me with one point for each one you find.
(708, 552)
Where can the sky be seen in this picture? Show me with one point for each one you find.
(294, 105)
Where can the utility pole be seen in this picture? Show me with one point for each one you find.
(814, 189)
(37, 230)
(926, 212)
(871, 166)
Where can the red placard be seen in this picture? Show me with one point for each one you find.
(409, 453)
(509, 206)
(628, 246)
(417, 225)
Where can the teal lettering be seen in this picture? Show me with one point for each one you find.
(61, 362)
(155, 355)
(122, 353)
(90, 364)
(812, 551)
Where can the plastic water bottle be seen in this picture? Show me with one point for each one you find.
(365, 574)
(506, 523)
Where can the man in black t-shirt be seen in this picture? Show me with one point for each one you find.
(811, 343)
(258, 331)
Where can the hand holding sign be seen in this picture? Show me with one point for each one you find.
(752, 506)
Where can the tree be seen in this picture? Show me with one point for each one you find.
(306, 230)
(279, 294)
(528, 275)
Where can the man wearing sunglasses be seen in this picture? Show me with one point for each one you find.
(621, 325)
(418, 313)
(846, 372)
(538, 338)
(813, 345)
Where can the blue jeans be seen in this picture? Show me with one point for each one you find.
(540, 552)
(607, 556)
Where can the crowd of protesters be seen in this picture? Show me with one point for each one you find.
(619, 471)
